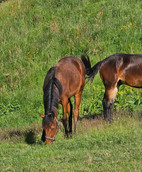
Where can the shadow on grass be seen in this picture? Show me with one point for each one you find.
(30, 134)
(30, 137)
(91, 116)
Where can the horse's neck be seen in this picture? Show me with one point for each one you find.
(55, 100)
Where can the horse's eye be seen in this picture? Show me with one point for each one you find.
(52, 128)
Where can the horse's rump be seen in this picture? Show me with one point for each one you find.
(70, 71)
(122, 68)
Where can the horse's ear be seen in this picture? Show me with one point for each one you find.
(42, 115)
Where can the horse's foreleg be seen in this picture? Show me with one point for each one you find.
(43, 136)
(64, 104)
(108, 102)
(76, 110)
(69, 110)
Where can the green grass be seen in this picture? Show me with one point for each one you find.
(102, 147)
(34, 35)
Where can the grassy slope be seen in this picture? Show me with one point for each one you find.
(34, 36)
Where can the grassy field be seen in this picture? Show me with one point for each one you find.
(97, 147)
(34, 35)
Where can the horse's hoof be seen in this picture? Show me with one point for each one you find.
(108, 120)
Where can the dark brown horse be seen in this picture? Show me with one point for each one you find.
(116, 70)
(64, 80)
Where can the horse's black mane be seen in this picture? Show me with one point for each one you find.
(52, 89)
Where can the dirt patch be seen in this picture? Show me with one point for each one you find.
(85, 125)
(27, 133)
(33, 133)
(88, 122)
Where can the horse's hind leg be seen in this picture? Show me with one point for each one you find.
(108, 101)
(43, 136)
(69, 110)
(76, 110)
(64, 104)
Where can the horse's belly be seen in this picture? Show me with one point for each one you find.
(133, 76)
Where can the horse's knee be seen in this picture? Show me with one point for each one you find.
(76, 115)
(107, 104)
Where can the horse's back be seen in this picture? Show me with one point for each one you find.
(73, 62)
(124, 67)
(70, 65)
(70, 71)
(131, 70)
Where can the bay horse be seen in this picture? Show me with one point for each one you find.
(114, 71)
(64, 80)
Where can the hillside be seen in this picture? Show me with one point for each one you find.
(36, 34)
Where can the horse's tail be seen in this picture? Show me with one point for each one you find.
(91, 72)
(50, 94)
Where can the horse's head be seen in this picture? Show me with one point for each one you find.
(50, 128)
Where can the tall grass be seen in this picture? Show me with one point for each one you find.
(36, 34)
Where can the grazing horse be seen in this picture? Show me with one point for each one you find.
(64, 80)
(116, 70)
